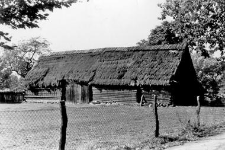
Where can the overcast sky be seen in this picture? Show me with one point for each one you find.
(96, 24)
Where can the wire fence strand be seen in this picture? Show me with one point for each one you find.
(35, 126)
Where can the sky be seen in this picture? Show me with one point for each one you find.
(95, 24)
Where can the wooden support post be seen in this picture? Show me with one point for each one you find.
(64, 119)
(198, 110)
(90, 93)
(142, 99)
(155, 111)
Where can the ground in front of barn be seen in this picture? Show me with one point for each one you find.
(36, 126)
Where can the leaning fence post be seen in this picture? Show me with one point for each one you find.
(64, 119)
(155, 111)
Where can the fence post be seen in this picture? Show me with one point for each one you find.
(155, 111)
(198, 110)
(64, 118)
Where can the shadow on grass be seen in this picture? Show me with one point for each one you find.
(159, 142)
(191, 132)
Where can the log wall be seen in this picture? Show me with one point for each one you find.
(114, 95)
(164, 97)
(11, 97)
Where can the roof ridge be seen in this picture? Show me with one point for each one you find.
(178, 47)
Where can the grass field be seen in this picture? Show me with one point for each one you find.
(36, 126)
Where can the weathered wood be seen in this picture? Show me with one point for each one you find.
(163, 97)
(90, 93)
(155, 111)
(84, 94)
(143, 101)
(198, 111)
(142, 97)
(11, 97)
(114, 95)
(64, 118)
(77, 93)
(73, 92)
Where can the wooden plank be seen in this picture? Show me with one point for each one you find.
(163, 97)
(84, 94)
(112, 95)
(73, 93)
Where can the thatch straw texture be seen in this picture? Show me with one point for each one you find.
(127, 66)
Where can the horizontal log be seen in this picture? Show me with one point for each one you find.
(119, 96)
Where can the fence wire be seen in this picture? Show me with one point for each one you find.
(36, 126)
(29, 126)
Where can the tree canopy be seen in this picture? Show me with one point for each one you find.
(200, 22)
(210, 72)
(26, 14)
(162, 34)
(25, 55)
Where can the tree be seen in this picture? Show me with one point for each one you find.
(25, 55)
(25, 14)
(14, 83)
(200, 22)
(5, 78)
(162, 34)
(10, 81)
(210, 72)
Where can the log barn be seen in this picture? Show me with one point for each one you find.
(120, 74)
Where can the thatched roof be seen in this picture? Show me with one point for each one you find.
(127, 66)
